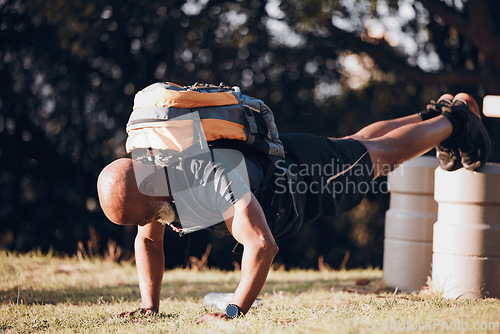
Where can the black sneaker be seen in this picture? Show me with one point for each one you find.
(435, 109)
(448, 156)
(447, 152)
(473, 140)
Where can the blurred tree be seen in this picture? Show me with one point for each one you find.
(70, 70)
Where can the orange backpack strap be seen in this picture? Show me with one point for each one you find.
(186, 99)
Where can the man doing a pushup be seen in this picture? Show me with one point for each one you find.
(257, 214)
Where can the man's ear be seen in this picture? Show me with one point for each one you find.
(151, 180)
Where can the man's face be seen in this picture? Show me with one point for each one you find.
(147, 220)
(162, 212)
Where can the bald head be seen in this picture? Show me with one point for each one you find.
(120, 198)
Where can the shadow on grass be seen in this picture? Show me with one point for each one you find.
(358, 285)
(180, 290)
(72, 295)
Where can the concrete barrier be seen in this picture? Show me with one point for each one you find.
(491, 106)
(466, 259)
(408, 225)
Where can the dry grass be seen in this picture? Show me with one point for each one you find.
(40, 293)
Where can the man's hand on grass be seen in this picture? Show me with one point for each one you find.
(139, 311)
(212, 317)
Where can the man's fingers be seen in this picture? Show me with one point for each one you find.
(142, 311)
(127, 313)
(147, 312)
(212, 317)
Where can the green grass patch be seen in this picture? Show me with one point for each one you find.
(48, 294)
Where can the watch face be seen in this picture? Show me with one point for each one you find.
(232, 311)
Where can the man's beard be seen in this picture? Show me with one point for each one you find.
(166, 214)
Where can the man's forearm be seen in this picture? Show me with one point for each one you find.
(249, 227)
(150, 261)
(255, 266)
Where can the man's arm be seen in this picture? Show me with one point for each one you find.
(150, 262)
(248, 225)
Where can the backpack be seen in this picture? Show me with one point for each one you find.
(170, 122)
(167, 117)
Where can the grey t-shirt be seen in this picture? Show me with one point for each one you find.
(207, 185)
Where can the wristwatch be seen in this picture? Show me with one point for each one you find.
(233, 311)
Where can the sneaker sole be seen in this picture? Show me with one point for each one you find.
(447, 153)
(473, 154)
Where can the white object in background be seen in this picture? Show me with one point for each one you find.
(466, 260)
(220, 300)
(491, 106)
(408, 224)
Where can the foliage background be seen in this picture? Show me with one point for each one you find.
(69, 71)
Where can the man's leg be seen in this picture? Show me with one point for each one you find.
(406, 142)
(381, 128)
(455, 120)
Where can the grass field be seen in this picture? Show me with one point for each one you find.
(47, 294)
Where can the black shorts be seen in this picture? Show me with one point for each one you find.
(333, 174)
(311, 161)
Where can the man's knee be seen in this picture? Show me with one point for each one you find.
(383, 157)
